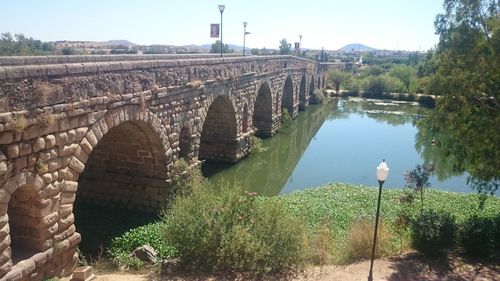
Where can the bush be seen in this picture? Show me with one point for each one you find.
(227, 229)
(433, 232)
(122, 246)
(257, 144)
(478, 235)
(317, 97)
(360, 240)
(286, 119)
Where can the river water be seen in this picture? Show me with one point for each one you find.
(341, 141)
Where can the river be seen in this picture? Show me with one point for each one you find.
(342, 140)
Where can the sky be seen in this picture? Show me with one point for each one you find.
(329, 24)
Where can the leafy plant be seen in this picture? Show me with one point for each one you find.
(433, 232)
(478, 235)
(121, 247)
(418, 179)
(257, 144)
(222, 228)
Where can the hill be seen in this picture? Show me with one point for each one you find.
(357, 47)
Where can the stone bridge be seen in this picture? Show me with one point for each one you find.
(108, 129)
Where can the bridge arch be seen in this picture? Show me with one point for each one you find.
(263, 110)
(287, 100)
(302, 93)
(218, 139)
(27, 221)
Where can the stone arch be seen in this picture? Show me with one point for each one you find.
(27, 221)
(302, 93)
(311, 87)
(287, 98)
(263, 111)
(245, 119)
(122, 161)
(218, 139)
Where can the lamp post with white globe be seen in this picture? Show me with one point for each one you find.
(382, 173)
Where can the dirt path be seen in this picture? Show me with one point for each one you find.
(410, 266)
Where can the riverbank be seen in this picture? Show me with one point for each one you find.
(339, 220)
(408, 266)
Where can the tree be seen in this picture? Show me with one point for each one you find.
(68, 51)
(418, 179)
(337, 78)
(404, 73)
(216, 48)
(285, 47)
(462, 132)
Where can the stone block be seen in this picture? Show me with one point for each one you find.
(68, 197)
(16, 72)
(38, 144)
(25, 149)
(82, 273)
(36, 70)
(50, 141)
(76, 165)
(6, 137)
(13, 151)
(61, 139)
(5, 244)
(56, 70)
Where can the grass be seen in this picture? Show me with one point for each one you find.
(339, 218)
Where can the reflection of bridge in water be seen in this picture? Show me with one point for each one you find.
(267, 172)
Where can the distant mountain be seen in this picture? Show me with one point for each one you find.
(357, 47)
(120, 42)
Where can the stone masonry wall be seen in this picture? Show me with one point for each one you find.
(66, 122)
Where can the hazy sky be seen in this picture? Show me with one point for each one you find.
(383, 24)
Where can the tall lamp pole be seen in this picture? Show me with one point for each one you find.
(300, 43)
(382, 173)
(244, 35)
(221, 10)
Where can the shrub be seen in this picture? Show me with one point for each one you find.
(257, 144)
(433, 232)
(317, 97)
(360, 240)
(286, 119)
(18, 123)
(224, 228)
(122, 246)
(184, 178)
(478, 235)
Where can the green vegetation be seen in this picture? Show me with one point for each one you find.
(433, 232)
(22, 46)
(257, 144)
(216, 48)
(222, 228)
(151, 234)
(465, 74)
(285, 47)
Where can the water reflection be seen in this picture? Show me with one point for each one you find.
(341, 141)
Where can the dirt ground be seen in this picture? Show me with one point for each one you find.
(409, 266)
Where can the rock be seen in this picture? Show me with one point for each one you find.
(169, 266)
(145, 253)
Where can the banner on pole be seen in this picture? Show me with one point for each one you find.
(214, 30)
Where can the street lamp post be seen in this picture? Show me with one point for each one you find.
(221, 10)
(300, 43)
(245, 33)
(382, 173)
